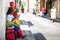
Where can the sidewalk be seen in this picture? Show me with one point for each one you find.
(57, 22)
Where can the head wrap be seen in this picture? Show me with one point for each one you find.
(11, 3)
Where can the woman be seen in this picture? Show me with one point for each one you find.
(43, 11)
(34, 13)
(53, 14)
(22, 9)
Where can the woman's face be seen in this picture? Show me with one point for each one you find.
(12, 5)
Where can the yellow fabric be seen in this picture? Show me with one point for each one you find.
(7, 22)
(17, 22)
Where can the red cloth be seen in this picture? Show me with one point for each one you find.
(11, 3)
(14, 14)
(10, 31)
(10, 34)
(19, 33)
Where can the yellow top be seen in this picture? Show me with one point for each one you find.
(17, 22)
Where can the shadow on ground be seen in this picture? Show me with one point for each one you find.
(23, 22)
(48, 17)
(39, 36)
(28, 37)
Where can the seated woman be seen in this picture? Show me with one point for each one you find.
(10, 18)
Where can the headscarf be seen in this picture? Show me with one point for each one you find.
(11, 3)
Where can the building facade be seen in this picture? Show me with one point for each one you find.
(3, 9)
(55, 3)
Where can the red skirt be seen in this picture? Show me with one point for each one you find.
(10, 34)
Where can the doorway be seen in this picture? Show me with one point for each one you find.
(48, 7)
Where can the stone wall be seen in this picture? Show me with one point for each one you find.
(58, 14)
(56, 4)
(3, 8)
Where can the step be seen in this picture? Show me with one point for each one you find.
(26, 31)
